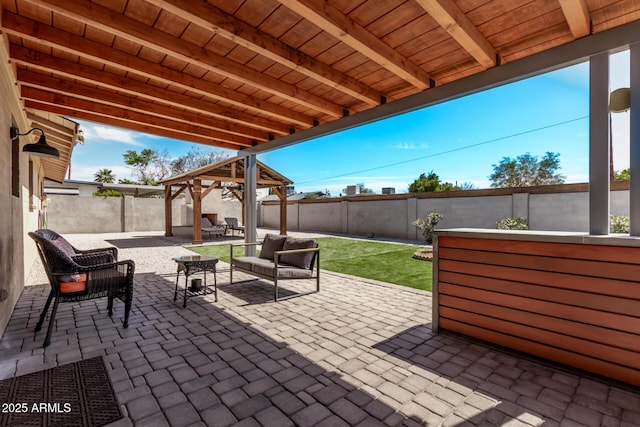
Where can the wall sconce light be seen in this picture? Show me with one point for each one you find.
(40, 148)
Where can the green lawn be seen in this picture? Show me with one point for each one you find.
(386, 262)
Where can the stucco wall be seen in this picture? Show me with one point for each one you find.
(78, 214)
(554, 209)
(17, 251)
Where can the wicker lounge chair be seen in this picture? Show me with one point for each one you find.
(212, 230)
(78, 275)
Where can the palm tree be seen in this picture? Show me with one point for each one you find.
(105, 176)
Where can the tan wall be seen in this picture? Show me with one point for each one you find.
(17, 251)
(553, 208)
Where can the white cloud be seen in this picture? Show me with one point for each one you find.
(97, 133)
(409, 146)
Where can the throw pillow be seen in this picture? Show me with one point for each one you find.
(272, 243)
(300, 259)
(72, 283)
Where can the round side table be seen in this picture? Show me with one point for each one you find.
(195, 264)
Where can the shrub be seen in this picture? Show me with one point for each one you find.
(519, 223)
(619, 224)
(426, 226)
(107, 193)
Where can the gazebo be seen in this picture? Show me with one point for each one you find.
(229, 174)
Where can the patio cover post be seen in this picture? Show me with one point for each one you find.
(168, 218)
(197, 211)
(250, 220)
(599, 144)
(634, 111)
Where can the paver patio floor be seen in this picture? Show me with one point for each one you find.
(357, 353)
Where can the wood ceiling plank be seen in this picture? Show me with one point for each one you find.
(455, 22)
(128, 85)
(179, 130)
(51, 124)
(41, 33)
(113, 121)
(577, 14)
(215, 20)
(133, 30)
(346, 30)
(77, 90)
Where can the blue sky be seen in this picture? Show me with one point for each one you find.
(459, 140)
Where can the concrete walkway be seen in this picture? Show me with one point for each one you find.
(357, 353)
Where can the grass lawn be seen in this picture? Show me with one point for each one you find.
(386, 262)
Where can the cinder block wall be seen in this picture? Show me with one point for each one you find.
(552, 208)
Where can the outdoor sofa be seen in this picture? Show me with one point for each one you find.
(280, 258)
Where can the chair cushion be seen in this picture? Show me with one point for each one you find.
(301, 260)
(272, 243)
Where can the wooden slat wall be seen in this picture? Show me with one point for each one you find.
(577, 304)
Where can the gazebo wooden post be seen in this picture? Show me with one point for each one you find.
(168, 217)
(282, 195)
(197, 211)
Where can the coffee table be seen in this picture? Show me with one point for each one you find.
(195, 264)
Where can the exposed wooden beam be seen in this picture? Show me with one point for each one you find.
(219, 22)
(41, 81)
(334, 22)
(576, 13)
(90, 75)
(110, 120)
(55, 38)
(108, 20)
(449, 16)
(51, 125)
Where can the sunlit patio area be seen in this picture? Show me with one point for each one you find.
(356, 353)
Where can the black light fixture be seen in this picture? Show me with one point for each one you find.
(40, 148)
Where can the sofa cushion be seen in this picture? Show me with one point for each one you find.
(284, 271)
(245, 262)
(300, 259)
(272, 243)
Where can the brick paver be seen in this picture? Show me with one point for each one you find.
(357, 353)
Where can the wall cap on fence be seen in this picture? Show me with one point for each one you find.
(542, 189)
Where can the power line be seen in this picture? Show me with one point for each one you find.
(453, 150)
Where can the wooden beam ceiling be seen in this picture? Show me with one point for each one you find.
(334, 22)
(210, 17)
(77, 45)
(132, 30)
(449, 16)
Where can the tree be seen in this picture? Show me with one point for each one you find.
(105, 176)
(525, 171)
(623, 175)
(150, 166)
(431, 182)
(196, 157)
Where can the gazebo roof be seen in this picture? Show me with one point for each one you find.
(231, 170)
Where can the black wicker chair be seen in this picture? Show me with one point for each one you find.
(78, 275)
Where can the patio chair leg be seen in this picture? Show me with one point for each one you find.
(275, 289)
(127, 309)
(110, 306)
(52, 320)
(44, 312)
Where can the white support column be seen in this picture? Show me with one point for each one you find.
(599, 144)
(250, 217)
(634, 111)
